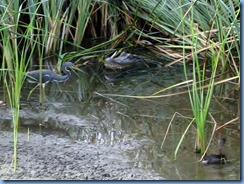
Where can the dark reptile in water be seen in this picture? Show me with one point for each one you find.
(124, 61)
(124, 65)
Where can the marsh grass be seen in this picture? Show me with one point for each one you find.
(15, 59)
(212, 22)
(13, 80)
(200, 98)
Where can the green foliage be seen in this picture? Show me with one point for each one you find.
(14, 63)
(200, 97)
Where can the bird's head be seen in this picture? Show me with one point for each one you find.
(221, 143)
(68, 65)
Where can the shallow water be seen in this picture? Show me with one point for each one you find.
(83, 109)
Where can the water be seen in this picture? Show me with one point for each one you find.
(83, 109)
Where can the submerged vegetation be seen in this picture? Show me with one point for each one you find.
(204, 35)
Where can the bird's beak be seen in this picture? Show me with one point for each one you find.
(75, 67)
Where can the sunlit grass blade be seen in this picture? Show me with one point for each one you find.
(181, 139)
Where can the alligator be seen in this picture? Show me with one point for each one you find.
(124, 61)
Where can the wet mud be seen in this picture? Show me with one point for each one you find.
(49, 157)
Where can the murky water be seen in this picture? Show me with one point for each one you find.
(83, 109)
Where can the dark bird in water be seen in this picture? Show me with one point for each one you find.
(49, 75)
(216, 158)
(45, 76)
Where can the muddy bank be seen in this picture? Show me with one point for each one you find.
(49, 157)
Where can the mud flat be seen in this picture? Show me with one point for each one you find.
(50, 157)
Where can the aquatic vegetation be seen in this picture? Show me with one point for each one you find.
(13, 74)
(200, 98)
(14, 63)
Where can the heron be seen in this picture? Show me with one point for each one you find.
(216, 158)
(45, 76)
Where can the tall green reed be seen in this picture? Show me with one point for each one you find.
(51, 22)
(16, 56)
(11, 75)
(85, 8)
(199, 96)
(222, 53)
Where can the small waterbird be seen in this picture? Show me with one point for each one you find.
(219, 158)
